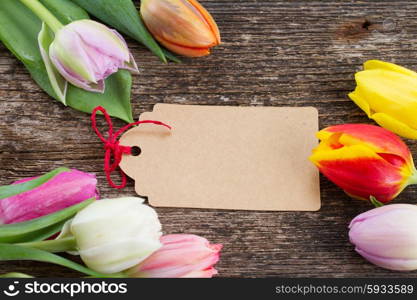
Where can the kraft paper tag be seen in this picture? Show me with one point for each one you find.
(251, 158)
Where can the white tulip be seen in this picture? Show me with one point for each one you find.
(113, 235)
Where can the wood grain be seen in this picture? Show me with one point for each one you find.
(275, 53)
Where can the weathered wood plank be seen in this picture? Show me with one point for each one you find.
(275, 53)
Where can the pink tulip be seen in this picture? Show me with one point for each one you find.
(181, 255)
(387, 236)
(86, 52)
(63, 190)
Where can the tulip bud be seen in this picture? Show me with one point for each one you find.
(387, 94)
(183, 26)
(115, 234)
(181, 255)
(65, 189)
(86, 52)
(387, 236)
(365, 160)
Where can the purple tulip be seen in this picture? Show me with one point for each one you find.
(387, 236)
(63, 190)
(86, 52)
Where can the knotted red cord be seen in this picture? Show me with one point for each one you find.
(113, 150)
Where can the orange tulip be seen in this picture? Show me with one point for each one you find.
(182, 26)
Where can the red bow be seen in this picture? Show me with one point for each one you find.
(113, 150)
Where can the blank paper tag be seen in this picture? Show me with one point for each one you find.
(252, 158)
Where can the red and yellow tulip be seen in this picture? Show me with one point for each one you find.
(365, 160)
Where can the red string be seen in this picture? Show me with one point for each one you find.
(113, 150)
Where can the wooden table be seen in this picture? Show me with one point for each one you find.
(275, 53)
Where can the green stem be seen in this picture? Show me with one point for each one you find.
(53, 246)
(44, 14)
(413, 177)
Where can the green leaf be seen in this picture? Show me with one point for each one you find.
(54, 246)
(58, 83)
(66, 11)
(44, 233)
(19, 29)
(123, 15)
(375, 202)
(14, 252)
(171, 56)
(15, 275)
(116, 98)
(39, 228)
(15, 189)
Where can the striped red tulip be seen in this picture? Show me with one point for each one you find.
(365, 161)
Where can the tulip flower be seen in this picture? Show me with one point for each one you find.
(86, 52)
(181, 255)
(387, 236)
(112, 235)
(365, 161)
(183, 26)
(66, 188)
(83, 52)
(387, 93)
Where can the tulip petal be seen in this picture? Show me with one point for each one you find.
(360, 171)
(178, 261)
(26, 184)
(40, 228)
(67, 46)
(208, 273)
(376, 138)
(130, 65)
(100, 37)
(388, 92)
(58, 83)
(186, 51)
(383, 119)
(395, 125)
(396, 264)
(118, 255)
(379, 211)
(355, 96)
(98, 87)
(382, 65)
(182, 255)
(209, 19)
(106, 60)
(63, 190)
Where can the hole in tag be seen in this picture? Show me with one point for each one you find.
(135, 151)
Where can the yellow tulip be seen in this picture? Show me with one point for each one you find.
(387, 93)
